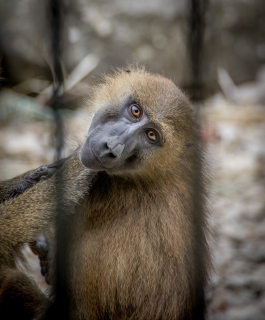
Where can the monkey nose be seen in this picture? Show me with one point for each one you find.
(117, 151)
(114, 146)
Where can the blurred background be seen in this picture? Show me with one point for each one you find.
(97, 36)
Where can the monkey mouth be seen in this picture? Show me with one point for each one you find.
(98, 161)
(113, 167)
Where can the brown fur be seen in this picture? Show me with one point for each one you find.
(20, 297)
(24, 217)
(137, 248)
(7, 186)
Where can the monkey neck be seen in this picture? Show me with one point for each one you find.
(126, 219)
(113, 197)
(114, 187)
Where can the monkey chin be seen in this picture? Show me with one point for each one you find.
(91, 161)
(124, 163)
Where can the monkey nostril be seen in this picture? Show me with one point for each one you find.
(111, 155)
(116, 151)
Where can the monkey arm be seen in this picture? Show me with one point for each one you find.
(23, 218)
(15, 186)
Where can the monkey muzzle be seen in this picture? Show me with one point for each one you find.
(106, 152)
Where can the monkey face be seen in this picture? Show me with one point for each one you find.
(117, 141)
(143, 121)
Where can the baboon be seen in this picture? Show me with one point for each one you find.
(137, 247)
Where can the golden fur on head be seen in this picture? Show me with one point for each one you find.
(165, 104)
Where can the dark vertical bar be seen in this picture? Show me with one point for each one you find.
(56, 29)
(196, 46)
(60, 308)
(200, 246)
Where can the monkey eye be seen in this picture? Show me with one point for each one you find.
(152, 136)
(136, 111)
